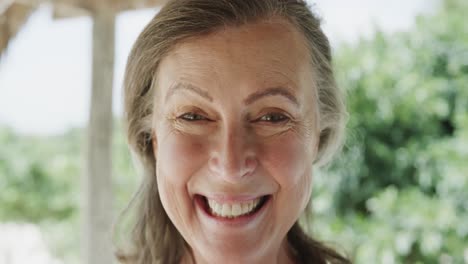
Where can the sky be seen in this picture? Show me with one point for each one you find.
(45, 74)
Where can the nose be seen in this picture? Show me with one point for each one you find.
(233, 157)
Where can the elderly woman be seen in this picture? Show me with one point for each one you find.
(229, 105)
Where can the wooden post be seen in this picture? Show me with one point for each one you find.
(98, 210)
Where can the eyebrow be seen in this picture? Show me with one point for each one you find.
(189, 87)
(274, 91)
(271, 92)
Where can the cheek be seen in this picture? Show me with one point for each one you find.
(176, 161)
(178, 157)
(289, 161)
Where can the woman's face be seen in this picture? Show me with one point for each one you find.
(235, 138)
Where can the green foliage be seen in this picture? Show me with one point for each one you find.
(404, 99)
(399, 191)
(39, 176)
(40, 179)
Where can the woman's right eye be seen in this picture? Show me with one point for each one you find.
(192, 117)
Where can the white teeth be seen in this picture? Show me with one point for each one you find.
(236, 209)
(226, 210)
(245, 208)
(233, 209)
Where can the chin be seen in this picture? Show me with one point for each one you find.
(230, 254)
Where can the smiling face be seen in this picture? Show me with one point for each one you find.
(235, 138)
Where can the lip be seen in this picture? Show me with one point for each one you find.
(237, 222)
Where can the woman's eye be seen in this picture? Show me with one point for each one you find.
(274, 118)
(191, 117)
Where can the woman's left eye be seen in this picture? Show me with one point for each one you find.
(274, 118)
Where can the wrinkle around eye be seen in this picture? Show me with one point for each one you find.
(191, 127)
(266, 129)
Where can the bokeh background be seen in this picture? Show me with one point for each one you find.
(397, 194)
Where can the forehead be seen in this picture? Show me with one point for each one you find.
(265, 51)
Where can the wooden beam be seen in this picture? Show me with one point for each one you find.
(98, 209)
(73, 8)
(77, 8)
(122, 5)
(65, 11)
(4, 5)
(80, 4)
(11, 22)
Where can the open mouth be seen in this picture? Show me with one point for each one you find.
(231, 210)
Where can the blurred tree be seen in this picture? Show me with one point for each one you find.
(406, 92)
(38, 176)
(399, 194)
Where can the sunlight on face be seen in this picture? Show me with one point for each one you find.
(236, 136)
